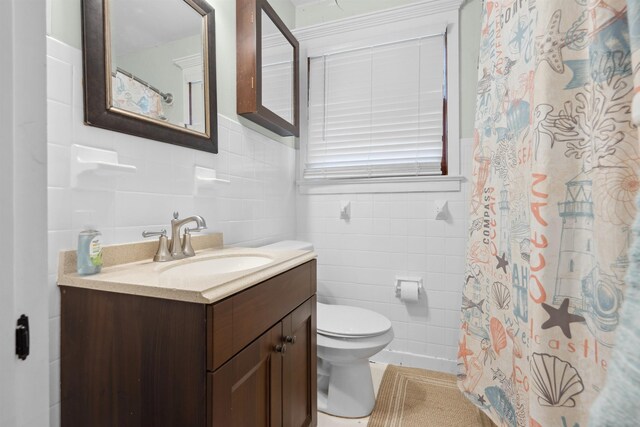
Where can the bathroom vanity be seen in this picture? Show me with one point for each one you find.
(240, 351)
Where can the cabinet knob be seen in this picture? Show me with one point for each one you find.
(281, 348)
(290, 339)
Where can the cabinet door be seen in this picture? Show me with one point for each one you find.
(247, 390)
(299, 376)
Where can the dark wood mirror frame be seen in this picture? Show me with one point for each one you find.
(249, 68)
(97, 111)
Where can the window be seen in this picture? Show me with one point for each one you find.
(378, 111)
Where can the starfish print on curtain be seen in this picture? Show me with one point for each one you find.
(555, 166)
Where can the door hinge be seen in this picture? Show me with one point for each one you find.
(22, 337)
(252, 18)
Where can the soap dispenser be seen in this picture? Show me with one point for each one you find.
(89, 255)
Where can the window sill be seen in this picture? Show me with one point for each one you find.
(413, 184)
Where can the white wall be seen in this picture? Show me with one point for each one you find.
(322, 11)
(257, 207)
(393, 235)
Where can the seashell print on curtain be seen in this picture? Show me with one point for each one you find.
(555, 166)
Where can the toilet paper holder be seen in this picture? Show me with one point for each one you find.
(404, 279)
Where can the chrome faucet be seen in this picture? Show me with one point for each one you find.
(176, 248)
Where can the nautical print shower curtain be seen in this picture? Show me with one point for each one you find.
(555, 166)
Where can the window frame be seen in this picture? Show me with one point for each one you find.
(402, 23)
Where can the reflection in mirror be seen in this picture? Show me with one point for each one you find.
(157, 61)
(277, 70)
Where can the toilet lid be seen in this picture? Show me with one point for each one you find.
(347, 321)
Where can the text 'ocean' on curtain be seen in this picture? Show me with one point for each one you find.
(556, 163)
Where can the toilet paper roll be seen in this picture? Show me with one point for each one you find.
(409, 291)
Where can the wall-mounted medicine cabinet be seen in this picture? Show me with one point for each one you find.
(267, 68)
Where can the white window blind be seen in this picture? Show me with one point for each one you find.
(377, 111)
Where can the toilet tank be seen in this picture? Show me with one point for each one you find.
(290, 245)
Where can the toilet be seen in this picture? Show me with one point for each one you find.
(347, 338)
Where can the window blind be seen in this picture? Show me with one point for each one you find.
(377, 111)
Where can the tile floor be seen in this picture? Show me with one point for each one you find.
(324, 420)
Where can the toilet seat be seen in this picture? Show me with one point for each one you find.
(341, 321)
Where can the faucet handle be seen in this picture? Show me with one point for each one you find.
(187, 249)
(162, 232)
(175, 214)
(162, 254)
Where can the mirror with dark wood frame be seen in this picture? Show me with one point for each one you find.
(149, 69)
(267, 68)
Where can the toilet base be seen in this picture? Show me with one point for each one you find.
(349, 392)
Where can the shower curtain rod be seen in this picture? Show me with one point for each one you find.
(166, 97)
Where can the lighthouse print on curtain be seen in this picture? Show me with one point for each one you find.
(555, 169)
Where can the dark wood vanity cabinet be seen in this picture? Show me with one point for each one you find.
(246, 361)
(261, 387)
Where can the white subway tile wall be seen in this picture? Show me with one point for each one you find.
(392, 235)
(257, 207)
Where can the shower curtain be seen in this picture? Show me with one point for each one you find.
(133, 96)
(555, 165)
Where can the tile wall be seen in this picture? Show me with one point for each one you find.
(393, 235)
(256, 207)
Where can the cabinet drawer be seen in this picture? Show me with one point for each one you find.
(236, 321)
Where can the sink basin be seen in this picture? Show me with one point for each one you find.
(198, 268)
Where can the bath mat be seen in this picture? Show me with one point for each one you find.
(412, 397)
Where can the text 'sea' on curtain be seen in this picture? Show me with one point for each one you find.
(555, 167)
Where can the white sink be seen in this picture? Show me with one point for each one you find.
(199, 268)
